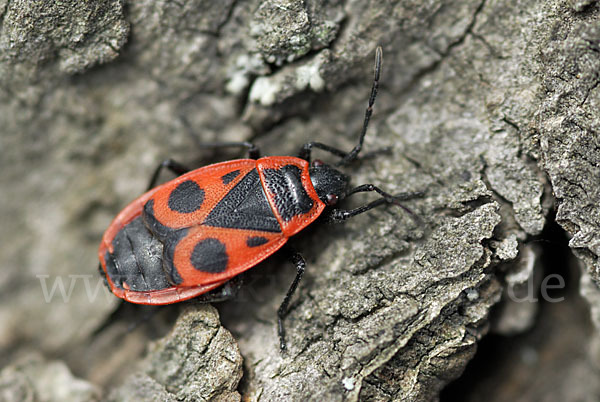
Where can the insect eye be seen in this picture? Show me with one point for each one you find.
(317, 163)
(332, 199)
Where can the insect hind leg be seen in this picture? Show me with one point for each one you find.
(229, 290)
(179, 169)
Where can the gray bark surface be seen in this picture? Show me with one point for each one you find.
(490, 107)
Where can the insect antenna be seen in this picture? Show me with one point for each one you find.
(351, 156)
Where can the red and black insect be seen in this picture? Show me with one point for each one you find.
(195, 233)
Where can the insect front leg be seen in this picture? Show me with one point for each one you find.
(348, 157)
(340, 215)
(306, 149)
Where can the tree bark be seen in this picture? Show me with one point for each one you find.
(489, 107)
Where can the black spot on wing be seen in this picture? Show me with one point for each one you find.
(256, 241)
(187, 197)
(229, 177)
(244, 207)
(290, 196)
(209, 255)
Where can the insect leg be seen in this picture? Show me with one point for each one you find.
(253, 150)
(300, 264)
(340, 215)
(179, 169)
(388, 197)
(348, 157)
(306, 149)
(170, 164)
(229, 290)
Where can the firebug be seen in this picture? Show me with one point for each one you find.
(195, 233)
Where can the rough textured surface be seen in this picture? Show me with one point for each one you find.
(549, 362)
(198, 360)
(570, 136)
(32, 378)
(45, 41)
(489, 106)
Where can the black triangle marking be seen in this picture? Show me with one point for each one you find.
(244, 207)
